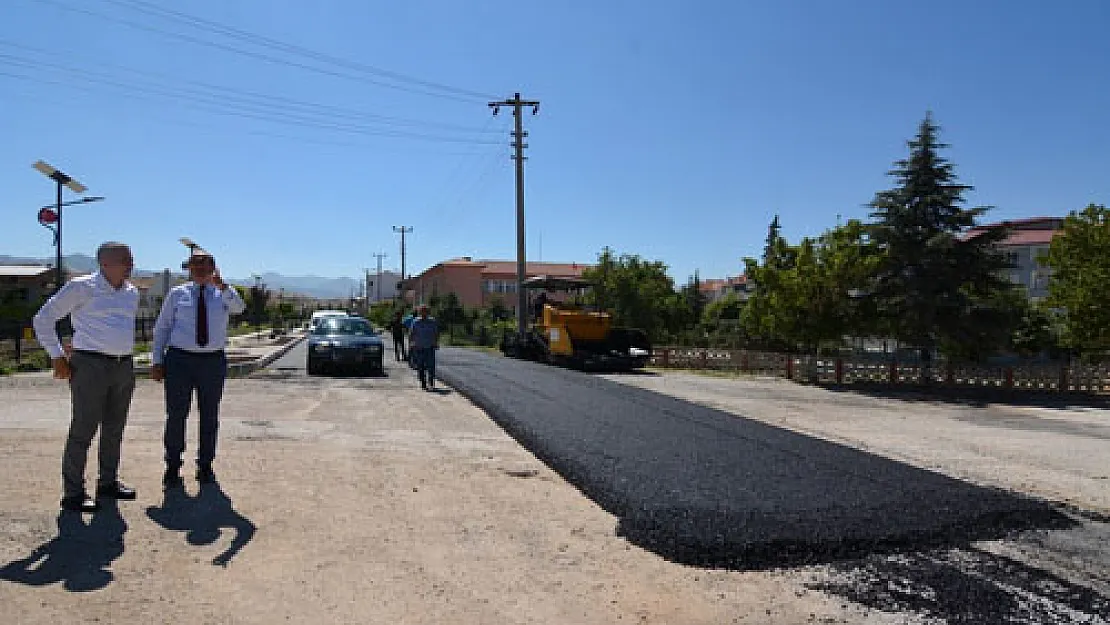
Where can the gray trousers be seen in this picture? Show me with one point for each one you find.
(100, 390)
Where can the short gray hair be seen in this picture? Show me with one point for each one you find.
(110, 248)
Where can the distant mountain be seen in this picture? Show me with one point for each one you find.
(325, 288)
(73, 262)
(312, 286)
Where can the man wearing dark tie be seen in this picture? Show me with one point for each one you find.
(188, 353)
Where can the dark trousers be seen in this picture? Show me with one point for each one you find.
(425, 360)
(101, 391)
(186, 372)
(399, 347)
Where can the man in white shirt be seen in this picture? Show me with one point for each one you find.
(188, 353)
(102, 309)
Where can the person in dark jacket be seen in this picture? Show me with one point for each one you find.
(423, 343)
(397, 328)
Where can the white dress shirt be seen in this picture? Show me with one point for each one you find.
(177, 322)
(103, 316)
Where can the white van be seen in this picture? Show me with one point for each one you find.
(324, 314)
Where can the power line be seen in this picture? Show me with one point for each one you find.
(220, 105)
(443, 192)
(260, 40)
(257, 55)
(252, 97)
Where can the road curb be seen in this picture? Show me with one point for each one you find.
(241, 369)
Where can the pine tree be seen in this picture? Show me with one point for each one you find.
(697, 299)
(935, 285)
(774, 241)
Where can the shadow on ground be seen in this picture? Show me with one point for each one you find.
(975, 396)
(79, 557)
(203, 519)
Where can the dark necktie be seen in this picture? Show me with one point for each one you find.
(202, 319)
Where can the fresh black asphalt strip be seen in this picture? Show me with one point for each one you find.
(704, 487)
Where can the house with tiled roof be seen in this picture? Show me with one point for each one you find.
(716, 288)
(477, 282)
(1027, 242)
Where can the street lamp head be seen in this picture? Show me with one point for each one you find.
(50, 172)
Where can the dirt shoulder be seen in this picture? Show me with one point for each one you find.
(347, 501)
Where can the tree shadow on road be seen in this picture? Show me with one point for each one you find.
(977, 397)
(203, 518)
(79, 556)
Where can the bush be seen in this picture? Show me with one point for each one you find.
(34, 361)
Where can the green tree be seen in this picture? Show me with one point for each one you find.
(808, 296)
(256, 301)
(496, 310)
(934, 285)
(1080, 260)
(721, 321)
(637, 292)
(1038, 329)
(688, 316)
(450, 313)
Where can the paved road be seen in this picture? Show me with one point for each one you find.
(293, 360)
(701, 486)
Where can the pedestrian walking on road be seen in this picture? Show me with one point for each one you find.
(102, 309)
(397, 328)
(189, 339)
(423, 343)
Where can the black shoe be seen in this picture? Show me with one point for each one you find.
(205, 475)
(80, 503)
(172, 479)
(115, 490)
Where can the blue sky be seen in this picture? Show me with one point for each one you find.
(673, 130)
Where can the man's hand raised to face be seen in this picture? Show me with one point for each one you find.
(61, 368)
(218, 281)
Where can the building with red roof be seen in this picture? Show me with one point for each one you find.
(1027, 242)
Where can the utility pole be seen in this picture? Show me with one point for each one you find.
(366, 289)
(379, 256)
(518, 142)
(402, 230)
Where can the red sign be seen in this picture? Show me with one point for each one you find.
(47, 216)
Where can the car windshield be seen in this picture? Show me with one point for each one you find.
(339, 325)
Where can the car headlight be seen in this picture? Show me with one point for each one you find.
(321, 347)
(638, 351)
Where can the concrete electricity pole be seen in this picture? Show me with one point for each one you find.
(378, 296)
(366, 288)
(518, 142)
(403, 230)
